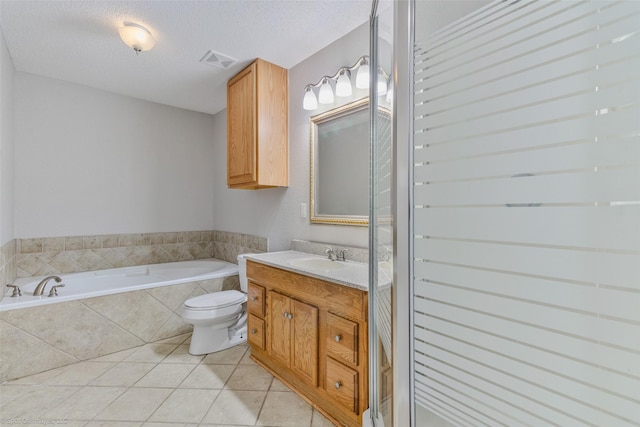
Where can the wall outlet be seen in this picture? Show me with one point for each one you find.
(303, 210)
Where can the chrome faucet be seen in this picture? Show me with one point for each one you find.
(336, 254)
(331, 253)
(40, 288)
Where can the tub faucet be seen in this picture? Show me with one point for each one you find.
(40, 288)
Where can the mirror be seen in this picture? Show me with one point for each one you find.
(340, 165)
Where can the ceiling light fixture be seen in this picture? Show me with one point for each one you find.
(137, 37)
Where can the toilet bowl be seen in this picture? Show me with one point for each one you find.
(219, 319)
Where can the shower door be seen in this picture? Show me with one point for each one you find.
(525, 216)
(380, 220)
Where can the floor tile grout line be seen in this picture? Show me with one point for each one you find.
(238, 364)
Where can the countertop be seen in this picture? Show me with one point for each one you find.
(350, 273)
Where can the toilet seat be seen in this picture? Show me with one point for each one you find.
(215, 300)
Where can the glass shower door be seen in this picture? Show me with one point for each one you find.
(380, 220)
(526, 216)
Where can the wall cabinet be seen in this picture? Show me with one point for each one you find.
(312, 335)
(258, 127)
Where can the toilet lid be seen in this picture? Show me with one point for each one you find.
(216, 300)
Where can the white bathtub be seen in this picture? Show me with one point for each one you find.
(116, 280)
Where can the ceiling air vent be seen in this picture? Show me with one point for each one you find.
(218, 60)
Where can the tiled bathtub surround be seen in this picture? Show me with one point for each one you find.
(7, 263)
(49, 336)
(40, 338)
(72, 254)
(227, 246)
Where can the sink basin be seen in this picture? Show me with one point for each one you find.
(316, 264)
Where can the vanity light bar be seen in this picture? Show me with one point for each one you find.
(343, 84)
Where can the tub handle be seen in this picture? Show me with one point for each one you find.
(54, 291)
(16, 291)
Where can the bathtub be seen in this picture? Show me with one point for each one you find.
(117, 280)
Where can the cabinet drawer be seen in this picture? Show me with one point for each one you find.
(255, 331)
(256, 299)
(342, 384)
(342, 339)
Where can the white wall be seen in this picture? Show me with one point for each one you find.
(91, 162)
(275, 213)
(6, 144)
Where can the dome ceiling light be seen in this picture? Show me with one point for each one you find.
(137, 37)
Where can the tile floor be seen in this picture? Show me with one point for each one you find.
(159, 385)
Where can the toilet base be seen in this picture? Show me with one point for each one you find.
(205, 341)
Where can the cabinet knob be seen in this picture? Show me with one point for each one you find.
(254, 298)
(338, 384)
(337, 338)
(254, 330)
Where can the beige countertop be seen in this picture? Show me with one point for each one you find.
(347, 273)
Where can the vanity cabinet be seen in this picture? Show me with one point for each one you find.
(293, 328)
(315, 338)
(256, 304)
(258, 127)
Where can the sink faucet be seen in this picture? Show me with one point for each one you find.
(40, 288)
(336, 254)
(331, 253)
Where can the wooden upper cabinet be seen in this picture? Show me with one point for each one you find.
(258, 127)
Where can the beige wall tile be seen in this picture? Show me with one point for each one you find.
(73, 243)
(22, 354)
(53, 244)
(30, 246)
(111, 241)
(128, 239)
(92, 242)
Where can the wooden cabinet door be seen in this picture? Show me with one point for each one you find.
(242, 128)
(304, 351)
(280, 327)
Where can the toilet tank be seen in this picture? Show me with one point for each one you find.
(242, 271)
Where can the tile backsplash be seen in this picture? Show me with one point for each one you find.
(8, 263)
(71, 254)
(318, 248)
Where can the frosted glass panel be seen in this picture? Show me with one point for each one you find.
(527, 215)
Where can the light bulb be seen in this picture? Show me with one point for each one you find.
(382, 83)
(362, 78)
(343, 86)
(309, 102)
(325, 96)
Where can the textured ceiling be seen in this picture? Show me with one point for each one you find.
(78, 41)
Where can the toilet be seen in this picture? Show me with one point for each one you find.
(219, 319)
